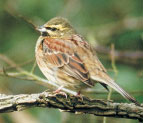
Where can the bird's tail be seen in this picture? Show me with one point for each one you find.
(108, 81)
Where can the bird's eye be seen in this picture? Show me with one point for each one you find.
(51, 28)
(54, 29)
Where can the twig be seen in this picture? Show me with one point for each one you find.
(74, 104)
(37, 79)
(93, 91)
(10, 10)
(112, 55)
(18, 65)
(130, 57)
(10, 62)
(44, 82)
(41, 81)
(33, 67)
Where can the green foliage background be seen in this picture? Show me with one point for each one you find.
(102, 22)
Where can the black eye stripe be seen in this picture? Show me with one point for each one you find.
(51, 28)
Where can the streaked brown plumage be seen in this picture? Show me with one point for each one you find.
(67, 59)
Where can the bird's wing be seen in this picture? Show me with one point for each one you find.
(61, 53)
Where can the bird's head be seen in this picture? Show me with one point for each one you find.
(56, 27)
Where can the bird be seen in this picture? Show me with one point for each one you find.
(67, 59)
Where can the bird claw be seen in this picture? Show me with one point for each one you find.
(79, 96)
(58, 91)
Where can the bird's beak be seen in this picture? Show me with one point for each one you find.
(41, 29)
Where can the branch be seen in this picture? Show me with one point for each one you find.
(132, 57)
(74, 104)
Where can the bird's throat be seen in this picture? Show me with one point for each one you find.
(45, 34)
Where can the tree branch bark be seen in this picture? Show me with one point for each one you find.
(69, 103)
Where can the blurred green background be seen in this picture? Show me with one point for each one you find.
(101, 22)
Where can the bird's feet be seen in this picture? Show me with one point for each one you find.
(58, 91)
(79, 95)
